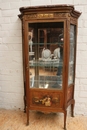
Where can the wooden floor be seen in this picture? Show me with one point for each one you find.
(16, 120)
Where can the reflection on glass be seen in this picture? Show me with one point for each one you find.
(30, 39)
(46, 55)
(71, 58)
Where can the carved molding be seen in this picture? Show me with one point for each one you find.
(39, 16)
(60, 14)
(58, 10)
(73, 20)
(46, 15)
(29, 16)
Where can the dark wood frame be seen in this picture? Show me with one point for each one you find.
(68, 15)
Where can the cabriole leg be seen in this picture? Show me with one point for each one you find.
(65, 115)
(24, 99)
(27, 110)
(72, 108)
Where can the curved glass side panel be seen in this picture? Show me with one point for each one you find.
(46, 55)
(71, 55)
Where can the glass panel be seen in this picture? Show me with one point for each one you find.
(46, 55)
(72, 52)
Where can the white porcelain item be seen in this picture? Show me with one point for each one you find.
(57, 53)
(46, 53)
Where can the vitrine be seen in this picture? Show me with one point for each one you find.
(49, 36)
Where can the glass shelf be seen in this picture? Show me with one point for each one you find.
(46, 82)
(45, 63)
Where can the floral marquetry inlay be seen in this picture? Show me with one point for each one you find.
(70, 93)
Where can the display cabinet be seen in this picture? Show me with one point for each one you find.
(49, 36)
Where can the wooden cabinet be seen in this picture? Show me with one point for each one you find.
(49, 36)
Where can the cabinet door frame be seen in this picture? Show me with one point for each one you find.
(26, 54)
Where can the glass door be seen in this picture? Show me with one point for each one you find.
(72, 54)
(46, 43)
